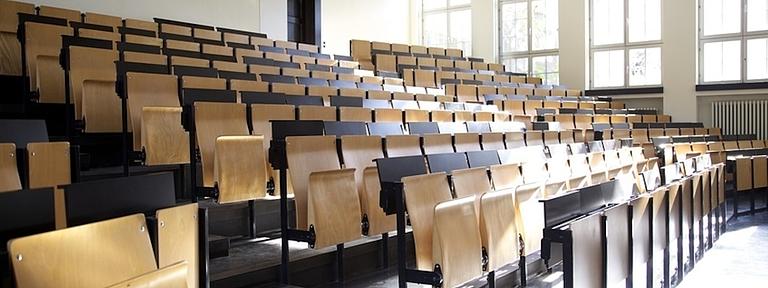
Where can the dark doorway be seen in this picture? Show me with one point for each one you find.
(304, 21)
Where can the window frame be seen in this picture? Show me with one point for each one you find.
(529, 53)
(626, 45)
(742, 37)
(447, 10)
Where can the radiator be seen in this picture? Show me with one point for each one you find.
(741, 117)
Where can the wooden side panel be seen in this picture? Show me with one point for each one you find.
(238, 169)
(49, 164)
(743, 174)
(334, 207)
(162, 136)
(422, 194)
(84, 256)
(177, 239)
(457, 241)
(587, 252)
(617, 235)
(9, 172)
(322, 150)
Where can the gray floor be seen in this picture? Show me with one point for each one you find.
(738, 259)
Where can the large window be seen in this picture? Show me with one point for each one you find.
(447, 23)
(625, 37)
(733, 38)
(529, 38)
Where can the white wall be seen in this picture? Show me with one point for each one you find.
(374, 20)
(236, 14)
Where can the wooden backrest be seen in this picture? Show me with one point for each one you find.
(333, 206)
(403, 145)
(89, 64)
(249, 86)
(317, 113)
(9, 172)
(506, 176)
(322, 149)
(49, 164)
(465, 142)
(149, 90)
(213, 120)
(178, 240)
(437, 143)
(470, 182)
(43, 40)
(514, 139)
(84, 256)
(359, 152)
(498, 228)
(9, 14)
(457, 241)
(56, 12)
(422, 194)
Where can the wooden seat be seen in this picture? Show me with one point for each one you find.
(403, 145)
(149, 90)
(388, 115)
(10, 55)
(172, 276)
(498, 228)
(211, 121)
(42, 49)
(534, 138)
(437, 144)
(333, 206)
(163, 139)
(9, 172)
(506, 176)
(457, 241)
(617, 243)
(317, 113)
(178, 240)
(422, 194)
(84, 251)
(464, 142)
(322, 149)
(531, 211)
(359, 152)
(238, 178)
(588, 254)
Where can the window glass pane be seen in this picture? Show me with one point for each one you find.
(757, 59)
(514, 26)
(458, 2)
(435, 30)
(434, 4)
(547, 67)
(607, 22)
(645, 66)
(608, 68)
(545, 24)
(461, 31)
(644, 20)
(516, 65)
(722, 61)
(721, 16)
(757, 15)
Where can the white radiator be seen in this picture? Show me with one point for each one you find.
(741, 117)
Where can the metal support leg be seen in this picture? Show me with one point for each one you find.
(492, 279)
(340, 264)
(401, 277)
(385, 250)
(523, 271)
(284, 260)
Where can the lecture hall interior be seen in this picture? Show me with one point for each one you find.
(383, 143)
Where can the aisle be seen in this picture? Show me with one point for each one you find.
(738, 259)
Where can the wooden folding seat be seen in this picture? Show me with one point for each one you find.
(323, 150)
(598, 167)
(425, 78)
(236, 40)
(241, 52)
(534, 138)
(437, 144)
(466, 93)
(758, 144)
(386, 63)
(213, 120)
(380, 95)
(323, 75)
(153, 103)
(277, 56)
(531, 211)
(731, 145)
(484, 77)
(541, 92)
(405, 96)
(323, 91)
(248, 86)
(456, 254)
(308, 47)
(423, 193)
(583, 122)
(514, 107)
(533, 170)
(463, 116)
(672, 132)
(634, 119)
(551, 137)
(74, 248)
(358, 153)
(465, 142)
(462, 64)
(566, 121)
(580, 175)
(9, 173)
(615, 119)
(492, 141)
(218, 52)
(744, 144)
(388, 115)
(92, 79)
(289, 89)
(620, 133)
(483, 90)
(657, 132)
(295, 72)
(499, 232)
(567, 137)
(687, 131)
(317, 113)
(532, 105)
(517, 79)
(483, 116)
(514, 139)
(402, 145)
(10, 55)
(42, 48)
(479, 65)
